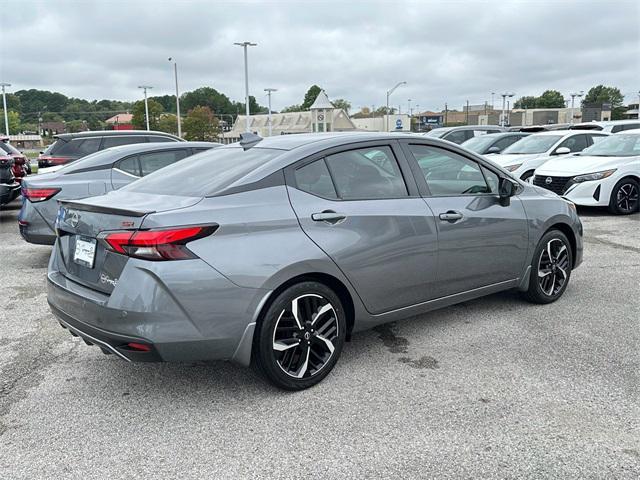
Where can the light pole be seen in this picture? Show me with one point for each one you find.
(244, 45)
(409, 109)
(389, 92)
(492, 104)
(146, 103)
(269, 90)
(573, 97)
(504, 101)
(175, 70)
(4, 106)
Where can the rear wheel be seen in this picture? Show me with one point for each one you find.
(550, 268)
(624, 197)
(301, 336)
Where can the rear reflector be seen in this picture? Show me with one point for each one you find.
(141, 347)
(166, 244)
(39, 194)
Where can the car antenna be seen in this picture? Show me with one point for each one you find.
(248, 140)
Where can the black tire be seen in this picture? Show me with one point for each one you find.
(324, 335)
(549, 278)
(624, 197)
(526, 176)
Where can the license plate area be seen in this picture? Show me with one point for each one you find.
(85, 251)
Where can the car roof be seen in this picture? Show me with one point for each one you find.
(110, 155)
(113, 133)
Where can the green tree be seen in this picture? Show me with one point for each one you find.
(310, 96)
(201, 124)
(343, 104)
(601, 94)
(526, 102)
(551, 99)
(207, 97)
(292, 108)
(168, 102)
(380, 111)
(168, 123)
(138, 111)
(14, 122)
(74, 126)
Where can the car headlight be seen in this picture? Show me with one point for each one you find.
(593, 176)
(512, 168)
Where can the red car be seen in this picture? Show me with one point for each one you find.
(21, 166)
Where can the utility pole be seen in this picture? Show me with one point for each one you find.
(389, 92)
(573, 97)
(492, 104)
(175, 69)
(504, 101)
(269, 90)
(4, 106)
(244, 45)
(446, 112)
(467, 115)
(146, 103)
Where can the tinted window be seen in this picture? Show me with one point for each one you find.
(631, 126)
(124, 140)
(205, 174)
(129, 165)
(479, 144)
(152, 161)
(617, 128)
(157, 138)
(507, 141)
(367, 173)
(78, 147)
(577, 143)
(458, 136)
(448, 173)
(314, 178)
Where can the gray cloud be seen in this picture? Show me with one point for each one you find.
(449, 51)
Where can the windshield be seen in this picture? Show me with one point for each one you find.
(206, 173)
(618, 145)
(437, 132)
(10, 149)
(532, 144)
(47, 150)
(479, 144)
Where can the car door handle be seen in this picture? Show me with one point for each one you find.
(451, 216)
(328, 216)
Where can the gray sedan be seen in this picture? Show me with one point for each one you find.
(274, 251)
(92, 175)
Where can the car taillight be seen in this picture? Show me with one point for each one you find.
(39, 194)
(165, 244)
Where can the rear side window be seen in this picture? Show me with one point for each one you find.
(459, 136)
(123, 140)
(450, 174)
(368, 173)
(205, 174)
(152, 161)
(129, 165)
(157, 138)
(314, 178)
(78, 147)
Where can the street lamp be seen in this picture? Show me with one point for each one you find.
(244, 45)
(573, 97)
(504, 101)
(146, 103)
(409, 109)
(492, 104)
(389, 92)
(269, 90)
(4, 106)
(175, 69)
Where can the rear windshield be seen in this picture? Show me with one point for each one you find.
(76, 147)
(437, 132)
(204, 174)
(10, 149)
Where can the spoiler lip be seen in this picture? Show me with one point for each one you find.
(87, 207)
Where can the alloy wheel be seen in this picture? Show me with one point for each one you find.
(627, 198)
(552, 267)
(304, 336)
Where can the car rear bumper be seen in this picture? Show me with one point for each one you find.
(205, 322)
(33, 226)
(9, 192)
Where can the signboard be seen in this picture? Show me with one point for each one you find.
(399, 124)
(431, 120)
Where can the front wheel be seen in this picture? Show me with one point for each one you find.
(301, 336)
(550, 268)
(527, 176)
(624, 197)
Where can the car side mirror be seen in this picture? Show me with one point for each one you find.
(493, 150)
(506, 190)
(562, 151)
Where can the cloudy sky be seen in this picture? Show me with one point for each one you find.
(446, 51)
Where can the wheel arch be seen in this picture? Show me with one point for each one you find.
(570, 234)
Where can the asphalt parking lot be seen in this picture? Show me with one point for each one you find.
(492, 388)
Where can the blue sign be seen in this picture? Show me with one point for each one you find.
(399, 124)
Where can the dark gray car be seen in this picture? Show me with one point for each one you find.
(275, 251)
(95, 174)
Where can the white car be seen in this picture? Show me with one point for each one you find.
(611, 126)
(524, 156)
(606, 174)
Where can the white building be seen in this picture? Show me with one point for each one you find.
(396, 123)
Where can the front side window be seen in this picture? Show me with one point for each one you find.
(152, 161)
(367, 173)
(507, 141)
(448, 173)
(577, 143)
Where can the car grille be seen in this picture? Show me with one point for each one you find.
(557, 185)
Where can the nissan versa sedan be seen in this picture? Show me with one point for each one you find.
(604, 175)
(524, 156)
(291, 244)
(92, 175)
